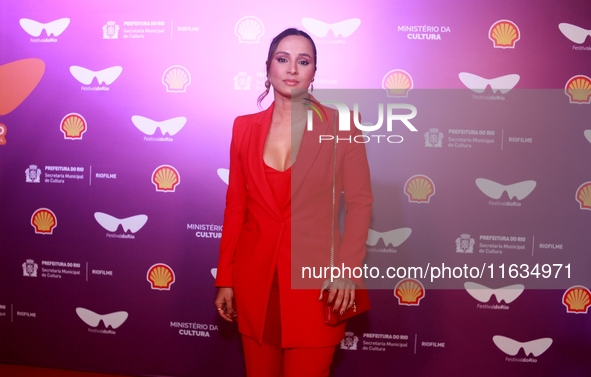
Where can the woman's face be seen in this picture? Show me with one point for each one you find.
(292, 66)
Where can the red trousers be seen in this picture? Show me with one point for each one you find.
(270, 360)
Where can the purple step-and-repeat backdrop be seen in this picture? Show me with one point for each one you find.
(115, 123)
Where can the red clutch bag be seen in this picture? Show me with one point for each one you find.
(361, 303)
(334, 318)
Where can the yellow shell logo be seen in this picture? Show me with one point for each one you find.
(419, 189)
(397, 83)
(504, 34)
(176, 79)
(44, 221)
(409, 292)
(578, 89)
(3, 131)
(249, 29)
(160, 276)
(166, 178)
(73, 126)
(577, 299)
(583, 196)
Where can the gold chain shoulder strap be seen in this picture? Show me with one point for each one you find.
(334, 193)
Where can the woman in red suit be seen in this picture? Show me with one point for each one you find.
(278, 220)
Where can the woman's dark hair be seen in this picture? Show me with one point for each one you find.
(273, 49)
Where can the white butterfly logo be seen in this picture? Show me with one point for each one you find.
(224, 175)
(511, 347)
(149, 126)
(214, 272)
(34, 28)
(111, 223)
(587, 134)
(495, 190)
(320, 29)
(106, 76)
(394, 237)
(114, 320)
(478, 84)
(574, 33)
(483, 293)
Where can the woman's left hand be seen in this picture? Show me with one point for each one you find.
(341, 292)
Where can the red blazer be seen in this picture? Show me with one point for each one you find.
(260, 238)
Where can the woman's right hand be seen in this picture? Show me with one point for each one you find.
(224, 303)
